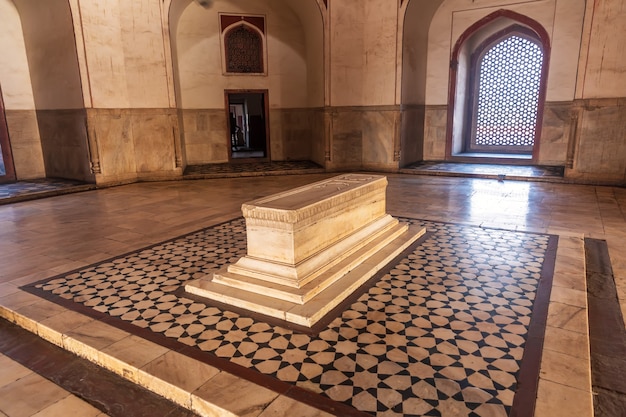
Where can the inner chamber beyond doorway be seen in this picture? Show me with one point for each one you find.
(248, 126)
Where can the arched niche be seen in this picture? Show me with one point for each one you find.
(415, 27)
(42, 90)
(50, 46)
(294, 76)
(461, 88)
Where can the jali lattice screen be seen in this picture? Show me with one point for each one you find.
(508, 93)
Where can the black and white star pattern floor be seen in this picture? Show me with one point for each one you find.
(442, 332)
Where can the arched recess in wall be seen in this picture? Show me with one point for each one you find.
(294, 76)
(7, 169)
(497, 90)
(244, 47)
(20, 136)
(55, 120)
(415, 27)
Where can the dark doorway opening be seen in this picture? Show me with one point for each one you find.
(7, 170)
(248, 124)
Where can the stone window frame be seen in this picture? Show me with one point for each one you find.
(477, 57)
(252, 23)
(460, 89)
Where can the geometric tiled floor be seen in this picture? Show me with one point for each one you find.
(441, 333)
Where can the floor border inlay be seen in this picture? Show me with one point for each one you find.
(607, 336)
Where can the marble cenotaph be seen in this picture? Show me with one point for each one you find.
(309, 248)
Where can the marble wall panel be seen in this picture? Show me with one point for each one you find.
(435, 125)
(132, 144)
(25, 144)
(380, 134)
(320, 121)
(364, 138)
(65, 144)
(601, 150)
(603, 71)
(293, 133)
(555, 133)
(124, 48)
(110, 130)
(363, 41)
(205, 136)
(154, 140)
(346, 151)
(412, 133)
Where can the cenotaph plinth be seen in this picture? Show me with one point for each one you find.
(309, 248)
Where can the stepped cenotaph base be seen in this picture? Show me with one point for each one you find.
(309, 248)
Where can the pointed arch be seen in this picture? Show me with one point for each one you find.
(465, 88)
(244, 46)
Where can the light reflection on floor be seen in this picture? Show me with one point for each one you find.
(499, 199)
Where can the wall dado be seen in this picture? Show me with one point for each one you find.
(205, 136)
(435, 125)
(588, 137)
(64, 143)
(128, 145)
(115, 146)
(412, 148)
(599, 145)
(25, 144)
(364, 138)
(295, 134)
(339, 138)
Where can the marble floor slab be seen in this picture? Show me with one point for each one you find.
(495, 171)
(40, 188)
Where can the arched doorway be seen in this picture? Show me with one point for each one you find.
(497, 90)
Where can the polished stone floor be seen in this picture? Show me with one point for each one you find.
(251, 169)
(490, 171)
(39, 188)
(45, 238)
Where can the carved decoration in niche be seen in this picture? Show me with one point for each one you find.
(244, 51)
(243, 39)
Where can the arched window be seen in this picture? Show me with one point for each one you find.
(507, 75)
(244, 50)
(499, 70)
